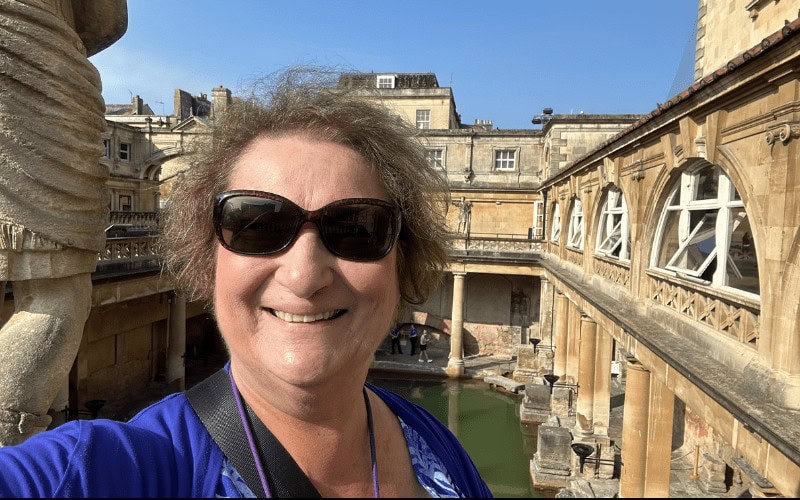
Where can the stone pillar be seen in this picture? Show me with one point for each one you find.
(176, 350)
(545, 310)
(659, 440)
(453, 391)
(561, 324)
(550, 467)
(573, 344)
(455, 366)
(586, 368)
(635, 431)
(601, 413)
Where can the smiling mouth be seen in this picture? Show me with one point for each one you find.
(304, 318)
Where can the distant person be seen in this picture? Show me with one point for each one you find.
(306, 221)
(423, 346)
(413, 337)
(395, 337)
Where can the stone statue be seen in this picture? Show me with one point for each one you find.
(53, 199)
(464, 215)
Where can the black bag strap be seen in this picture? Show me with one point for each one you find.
(212, 400)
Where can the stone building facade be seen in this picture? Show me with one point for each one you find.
(672, 249)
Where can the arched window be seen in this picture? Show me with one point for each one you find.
(575, 235)
(555, 229)
(613, 229)
(702, 223)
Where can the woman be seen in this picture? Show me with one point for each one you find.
(308, 221)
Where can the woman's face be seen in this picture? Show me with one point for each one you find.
(263, 304)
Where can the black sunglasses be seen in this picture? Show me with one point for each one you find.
(259, 223)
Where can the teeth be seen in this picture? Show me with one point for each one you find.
(302, 318)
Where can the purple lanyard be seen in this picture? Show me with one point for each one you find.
(257, 457)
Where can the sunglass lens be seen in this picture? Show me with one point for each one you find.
(358, 231)
(255, 225)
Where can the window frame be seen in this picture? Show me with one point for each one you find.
(576, 228)
(497, 152)
(107, 149)
(436, 164)
(424, 122)
(607, 229)
(555, 225)
(538, 220)
(125, 151)
(389, 79)
(729, 213)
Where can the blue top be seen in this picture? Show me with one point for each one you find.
(413, 332)
(165, 451)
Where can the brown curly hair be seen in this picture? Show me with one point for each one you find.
(308, 101)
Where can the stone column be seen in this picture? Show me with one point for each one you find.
(573, 343)
(176, 350)
(659, 440)
(561, 324)
(635, 431)
(601, 413)
(453, 391)
(545, 310)
(455, 366)
(586, 368)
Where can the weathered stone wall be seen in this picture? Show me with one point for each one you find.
(726, 29)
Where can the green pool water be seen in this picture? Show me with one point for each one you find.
(487, 425)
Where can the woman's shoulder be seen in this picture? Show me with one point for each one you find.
(160, 447)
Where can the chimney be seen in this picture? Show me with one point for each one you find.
(137, 105)
(483, 124)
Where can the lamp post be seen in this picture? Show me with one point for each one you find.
(551, 379)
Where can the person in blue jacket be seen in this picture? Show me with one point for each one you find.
(306, 220)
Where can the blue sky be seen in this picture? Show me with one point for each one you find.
(505, 60)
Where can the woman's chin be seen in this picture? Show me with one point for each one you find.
(308, 369)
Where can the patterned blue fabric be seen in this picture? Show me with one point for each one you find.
(430, 471)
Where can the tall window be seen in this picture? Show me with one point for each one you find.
(124, 151)
(505, 159)
(575, 235)
(703, 223)
(106, 148)
(435, 158)
(555, 229)
(423, 118)
(385, 81)
(538, 220)
(613, 234)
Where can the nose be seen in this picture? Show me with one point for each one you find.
(306, 267)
